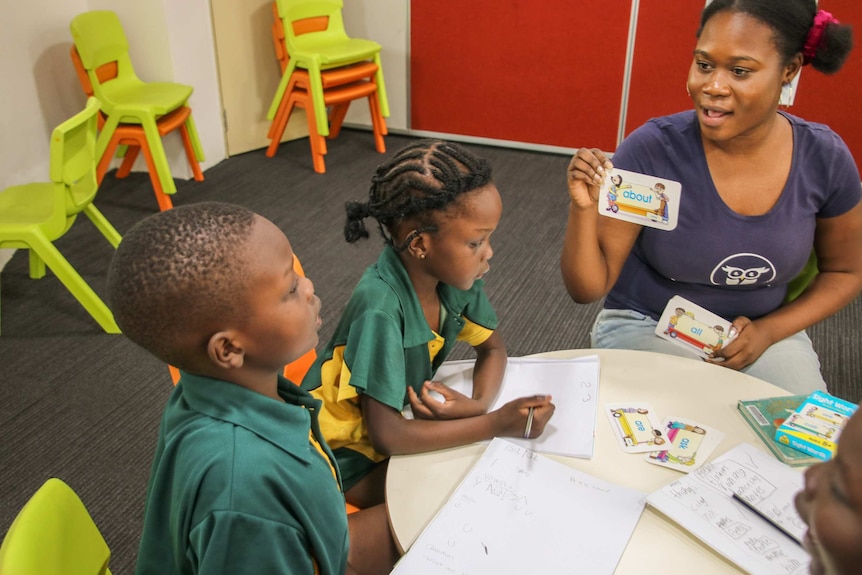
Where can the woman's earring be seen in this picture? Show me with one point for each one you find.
(421, 256)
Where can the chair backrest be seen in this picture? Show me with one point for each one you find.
(103, 48)
(53, 534)
(310, 24)
(800, 283)
(73, 157)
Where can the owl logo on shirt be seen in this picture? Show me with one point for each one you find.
(743, 270)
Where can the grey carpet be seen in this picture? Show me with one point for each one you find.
(84, 406)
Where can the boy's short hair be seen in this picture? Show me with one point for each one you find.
(177, 272)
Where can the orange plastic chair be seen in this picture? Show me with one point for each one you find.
(132, 136)
(340, 86)
(295, 370)
(103, 48)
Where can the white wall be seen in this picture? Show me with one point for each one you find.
(388, 23)
(169, 41)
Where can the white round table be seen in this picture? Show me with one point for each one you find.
(418, 485)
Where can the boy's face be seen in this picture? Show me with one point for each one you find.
(458, 253)
(831, 506)
(284, 314)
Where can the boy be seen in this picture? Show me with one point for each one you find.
(831, 506)
(242, 481)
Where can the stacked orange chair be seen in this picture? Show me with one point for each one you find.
(136, 114)
(340, 87)
(133, 138)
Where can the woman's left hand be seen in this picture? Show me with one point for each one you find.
(454, 404)
(749, 343)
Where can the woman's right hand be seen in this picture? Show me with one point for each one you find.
(513, 416)
(585, 175)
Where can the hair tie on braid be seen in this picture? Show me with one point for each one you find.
(815, 35)
(354, 227)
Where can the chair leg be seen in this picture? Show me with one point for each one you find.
(317, 141)
(190, 152)
(377, 123)
(315, 91)
(162, 199)
(195, 140)
(75, 284)
(336, 118)
(279, 123)
(157, 151)
(37, 265)
(128, 161)
(105, 141)
(106, 157)
(103, 225)
(381, 87)
(282, 88)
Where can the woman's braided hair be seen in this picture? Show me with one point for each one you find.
(421, 179)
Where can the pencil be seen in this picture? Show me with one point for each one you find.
(529, 423)
(763, 516)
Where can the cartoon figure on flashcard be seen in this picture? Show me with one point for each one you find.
(689, 444)
(616, 183)
(635, 426)
(662, 210)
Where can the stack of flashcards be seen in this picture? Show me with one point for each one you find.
(815, 426)
(640, 199)
(678, 443)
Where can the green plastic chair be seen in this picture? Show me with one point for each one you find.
(33, 216)
(800, 283)
(316, 41)
(54, 534)
(102, 45)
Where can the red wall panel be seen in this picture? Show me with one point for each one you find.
(664, 45)
(834, 100)
(539, 71)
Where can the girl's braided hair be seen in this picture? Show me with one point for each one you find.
(423, 178)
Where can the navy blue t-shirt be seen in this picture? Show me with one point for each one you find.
(729, 263)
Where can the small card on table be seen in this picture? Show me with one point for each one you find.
(635, 426)
(688, 444)
(640, 199)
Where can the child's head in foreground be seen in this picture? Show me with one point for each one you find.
(434, 201)
(209, 288)
(831, 506)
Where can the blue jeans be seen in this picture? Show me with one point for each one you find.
(791, 363)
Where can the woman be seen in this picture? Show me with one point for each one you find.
(759, 188)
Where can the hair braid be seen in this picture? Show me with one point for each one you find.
(423, 178)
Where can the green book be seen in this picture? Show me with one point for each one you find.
(765, 415)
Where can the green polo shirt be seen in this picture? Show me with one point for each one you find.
(237, 486)
(380, 346)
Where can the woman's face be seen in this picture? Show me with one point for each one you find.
(736, 77)
(831, 506)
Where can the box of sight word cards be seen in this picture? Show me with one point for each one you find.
(815, 426)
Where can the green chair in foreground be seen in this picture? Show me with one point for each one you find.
(33, 216)
(54, 535)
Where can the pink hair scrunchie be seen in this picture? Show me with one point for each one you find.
(815, 34)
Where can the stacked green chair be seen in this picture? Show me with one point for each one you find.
(54, 534)
(101, 43)
(33, 216)
(316, 41)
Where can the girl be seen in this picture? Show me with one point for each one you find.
(436, 207)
